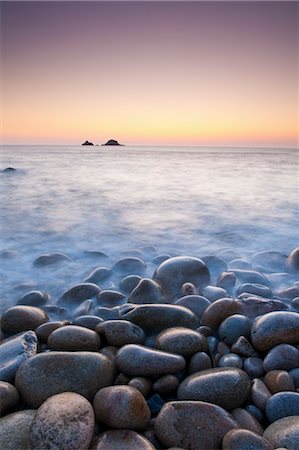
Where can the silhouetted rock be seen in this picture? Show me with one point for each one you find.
(112, 142)
(9, 169)
(87, 143)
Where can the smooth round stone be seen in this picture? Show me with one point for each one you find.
(14, 430)
(63, 421)
(14, 351)
(284, 433)
(137, 360)
(131, 253)
(87, 321)
(233, 327)
(196, 303)
(84, 308)
(281, 405)
(295, 303)
(253, 366)
(257, 306)
(256, 412)
(239, 263)
(56, 312)
(123, 440)
(44, 330)
(293, 259)
(97, 275)
(289, 293)
(107, 313)
(230, 360)
(77, 294)
(226, 387)
(146, 291)
(47, 374)
(295, 375)
(199, 361)
(121, 407)
(50, 259)
(159, 259)
(247, 421)
(109, 299)
(218, 311)
(227, 281)
(244, 440)
(96, 255)
(34, 298)
(260, 394)
(214, 293)
(275, 328)
(243, 347)
(9, 397)
(176, 271)
(250, 276)
(143, 385)
(279, 380)
(183, 341)
(193, 425)
(166, 385)
(129, 266)
(189, 289)
(283, 356)
(276, 261)
(121, 332)
(74, 338)
(22, 318)
(256, 289)
(215, 265)
(128, 283)
(158, 317)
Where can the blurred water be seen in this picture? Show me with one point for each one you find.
(195, 201)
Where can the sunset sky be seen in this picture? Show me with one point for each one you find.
(192, 73)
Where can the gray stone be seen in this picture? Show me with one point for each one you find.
(247, 421)
(44, 330)
(281, 405)
(237, 439)
(63, 421)
(243, 347)
(77, 294)
(166, 385)
(253, 366)
(74, 338)
(34, 298)
(253, 307)
(233, 327)
(50, 259)
(123, 440)
(260, 394)
(250, 276)
(143, 385)
(14, 430)
(230, 360)
(218, 311)
(181, 340)
(293, 259)
(47, 374)
(22, 318)
(196, 303)
(199, 361)
(128, 283)
(284, 433)
(9, 397)
(97, 275)
(121, 332)
(147, 291)
(279, 380)
(213, 293)
(129, 266)
(110, 299)
(255, 289)
(87, 321)
(283, 356)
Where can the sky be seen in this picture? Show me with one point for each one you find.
(150, 73)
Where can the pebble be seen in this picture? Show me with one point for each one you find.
(137, 360)
(74, 338)
(77, 294)
(284, 433)
(196, 303)
(281, 405)
(14, 430)
(250, 276)
(107, 313)
(215, 265)
(9, 397)
(253, 307)
(176, 271)
(87, 321)
(253, 366)
(193, 425)
(199, 361)
(14, 351)
(247, 421)
(158, 317)
(123, 440)
(227, 281)
(50, 259)
(22, 318)
(276, 261)
(44, 330)
(121, 332)
(181, 340)
(143, 385)
(226, 387)
(256, 289)
(230, 360)
(64, 421)
(213, 293)
(121, 407)
(239, 439)
(128, 283)
(283, 356)
(34, 298)
(47, 374)
(243, 347)
(260, 394)
(110, 299)
(295, 375)
(239, 263)
(83, 309)
(146, 291)
(279, 380)
(233, 327)
(166, 385)
(129, 266)
(293, 259)
(275, 328)
(97, 275)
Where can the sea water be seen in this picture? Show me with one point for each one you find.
(181, 200)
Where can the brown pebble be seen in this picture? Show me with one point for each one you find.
(279, 380)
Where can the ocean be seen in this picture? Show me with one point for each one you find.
(181, 200)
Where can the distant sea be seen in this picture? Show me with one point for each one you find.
(181, 200)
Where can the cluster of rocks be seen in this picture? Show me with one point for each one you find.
(203, 354)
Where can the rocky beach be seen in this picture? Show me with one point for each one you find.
(155, 351)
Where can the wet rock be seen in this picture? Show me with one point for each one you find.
(237, 439)
(288, 293)
(110, 299)
(14, 430)
(226, 387)
(44, 330)
(121, 407)
(218, 311)
(121, 332)
(276, 261)
(257, 306)
(22, 318)
(189, 289)
(147, 291)
(233, 327)
(239, 263)
(34, 298)
(243, 347)
(9, 397)
(77, 294)
(123, 440)
(284, 433)
(51, 259)
(247, 421)
(253, 366)
(275, 328)
(87, 321)
(283, 356)
(128, 283)
(98, 275)
(158, 317)
(279, 380)
(260, 394)
(281, 405)
(14, 351)
(166, 385)
(215, 265)
(159, 259)
(227, 281)
(181, 340)
(250, 276)
(84, 308)
(255, 289)
(129, 266)
(65, 421)
(295, 375)
(196, 303)
(214, 293)
(74, 338)
(47, 374)
(176, 271)
(230, 360)
(96, 255)
(199, 361)
(293, 259)
(193, 425)
(107, 313)
(143, 385)
(137, 360)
